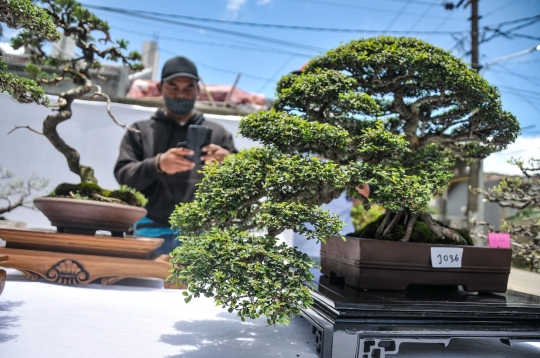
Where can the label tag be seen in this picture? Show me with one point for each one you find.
(446, 256)
(500, 240)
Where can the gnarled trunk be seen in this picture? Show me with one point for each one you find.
(63, 114)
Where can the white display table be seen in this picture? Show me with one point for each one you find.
(45, 320)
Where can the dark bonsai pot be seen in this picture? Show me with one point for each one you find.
(394, 265)
(86, 216)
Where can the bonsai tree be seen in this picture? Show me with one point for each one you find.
(77, 22)
(24, 14)
(389, 112)
(522, 194)
(15, 193)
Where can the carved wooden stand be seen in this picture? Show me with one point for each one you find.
(80, 259)
(3, 259)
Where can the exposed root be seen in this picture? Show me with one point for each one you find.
(409, 228)
(108, 200)
(393, 223)
(440, 230)
(382, 225)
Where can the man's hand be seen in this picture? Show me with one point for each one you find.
(174, 161)
(214, 151)
(363, 190)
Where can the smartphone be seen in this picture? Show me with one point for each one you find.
(197, 138)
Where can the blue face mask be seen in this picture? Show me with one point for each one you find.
(179, 106)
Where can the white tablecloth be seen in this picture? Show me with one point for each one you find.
(43, 320)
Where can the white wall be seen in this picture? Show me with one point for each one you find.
(90, 130)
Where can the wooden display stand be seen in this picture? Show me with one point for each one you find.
(3, 259)
(80, 259)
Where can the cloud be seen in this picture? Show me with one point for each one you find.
(234, 7)
(523, 147)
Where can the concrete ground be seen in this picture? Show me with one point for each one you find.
(524, 281)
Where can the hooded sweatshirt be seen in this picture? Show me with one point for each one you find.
(136, 168)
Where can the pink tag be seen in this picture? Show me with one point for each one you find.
(499, 240)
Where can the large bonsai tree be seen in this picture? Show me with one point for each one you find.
(78, 23)
(522, 194)
(390, 112)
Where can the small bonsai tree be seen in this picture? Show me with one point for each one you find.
(17, 193)
(78, 23)
(390, 112)
(522, 194)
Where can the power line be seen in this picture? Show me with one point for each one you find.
(500, 8)
(216, 44)
(520, 97)
(386, 10)
(428, 9)
(263, 25)
(521, 62)
(527, 92)
(208, 28)
(278, 71)
(397, 15)
(526, 36)
(526, 78)
(516, 21)
(221, 69)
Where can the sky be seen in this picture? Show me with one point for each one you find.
(263, 54)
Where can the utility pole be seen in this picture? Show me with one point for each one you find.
(476, 173)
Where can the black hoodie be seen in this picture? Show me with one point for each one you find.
(135, 165)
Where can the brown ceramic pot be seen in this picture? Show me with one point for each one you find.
(2, 280)
(86, 216)
(3, 258)
(394, 265)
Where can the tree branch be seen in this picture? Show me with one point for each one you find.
(27, 127)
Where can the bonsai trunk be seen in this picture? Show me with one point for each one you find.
(403, 223)
(64, 113)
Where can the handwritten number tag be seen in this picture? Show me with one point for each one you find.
(446, 257)
(500, 240)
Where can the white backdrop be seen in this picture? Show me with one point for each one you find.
(90, 131)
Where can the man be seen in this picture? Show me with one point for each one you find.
(150, 161)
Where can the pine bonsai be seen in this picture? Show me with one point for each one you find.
(16, 192)
(389, 112)
(522, 194)
(81, 25)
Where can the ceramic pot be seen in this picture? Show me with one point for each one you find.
(86, 216)
(394, 265)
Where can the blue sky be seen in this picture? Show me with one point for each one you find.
(220, 55)
(518, 79)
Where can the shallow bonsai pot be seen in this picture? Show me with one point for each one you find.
(86, 216)
(394, 265)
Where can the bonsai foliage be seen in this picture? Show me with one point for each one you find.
(16, 193)
(390, 112)
(25, 14)
(75, 21)
(522, 194)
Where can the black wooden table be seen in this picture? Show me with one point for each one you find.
(348, 322)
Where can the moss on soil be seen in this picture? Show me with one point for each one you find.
(91, 191)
